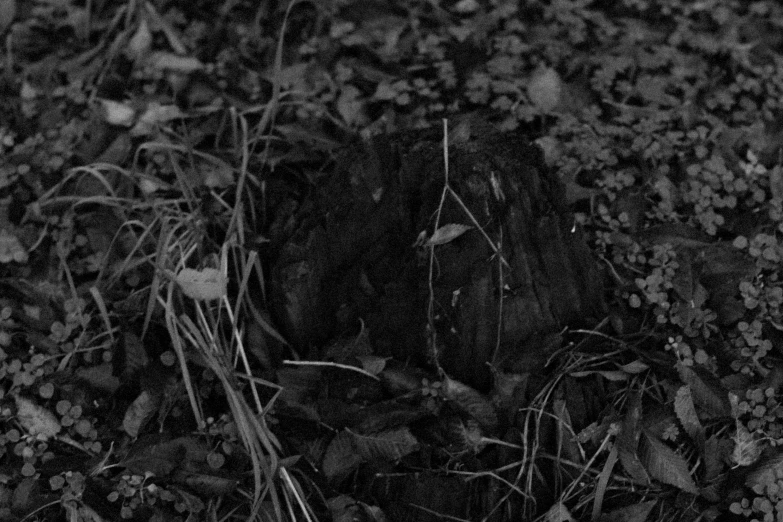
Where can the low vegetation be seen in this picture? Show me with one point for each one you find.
(151, 151)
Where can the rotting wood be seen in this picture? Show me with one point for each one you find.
(353, 257)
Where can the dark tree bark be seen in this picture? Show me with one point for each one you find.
(354, 256)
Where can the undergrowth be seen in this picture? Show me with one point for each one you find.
(153, 155)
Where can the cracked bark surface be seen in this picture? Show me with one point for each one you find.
(352, 255)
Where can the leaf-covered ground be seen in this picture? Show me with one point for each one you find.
(155, 157)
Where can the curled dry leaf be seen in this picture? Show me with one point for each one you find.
(447, 233)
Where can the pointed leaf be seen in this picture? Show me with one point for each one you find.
(348, 450)
(566, 442)
(686, 413)
(628, 442)
(389, 445)
(634, 367)
(341, 458)
(665, 465)
(709, 395)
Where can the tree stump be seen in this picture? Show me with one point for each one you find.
(525, 271)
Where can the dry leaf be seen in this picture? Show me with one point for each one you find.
(545, 88)
(7, 14)
(559, 513)
(666, 465)
(141, 42)
(372, 363)
(36, 419)
(747, 447)
(203, 285)
(116, 113)
(11, 248)
(171, 62)
(467, 6)
(154, 115)
(634, 367)
(139, 413)
(471, 402)
(685, 410)
(447, 233)
(551, 148)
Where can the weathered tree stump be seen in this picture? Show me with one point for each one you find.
(353, 256)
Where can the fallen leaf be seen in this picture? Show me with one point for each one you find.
(7, 14)
(544, 88)
(11, 248)
(36, 419)
(154, 115)
(116, 113)
(559, 513)
(447, 233)
(472, 402)
(632, 513)
(139, 413)
(686, 413)
(141, 41)
(171, 62)
(467, 6)
(203, 285)
(372, 363)
(665, 464)
(634, 367)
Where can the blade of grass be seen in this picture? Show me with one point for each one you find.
(179, 349)
(603, 481)
(101, 304)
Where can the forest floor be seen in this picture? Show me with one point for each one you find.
(160, 161)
